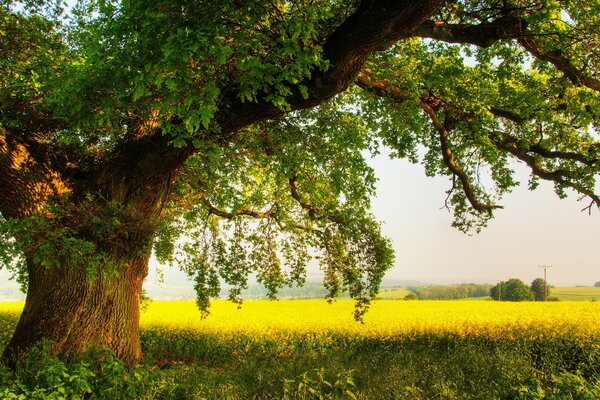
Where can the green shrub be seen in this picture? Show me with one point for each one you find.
(44, 376)
(314, 386)
(566, 385)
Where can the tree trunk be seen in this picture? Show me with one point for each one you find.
(78, 313)
(116, 208)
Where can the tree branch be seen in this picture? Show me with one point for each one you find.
(557, 176)
(430, 104)
(482, 35)
(242, 212)
(375, 26)
(563, 64)
(508, 26)
(451, 162)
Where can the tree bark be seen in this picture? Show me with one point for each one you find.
(79, 314)
(77, 310)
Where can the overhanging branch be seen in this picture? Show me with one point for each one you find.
(430, 104)
(508, 26)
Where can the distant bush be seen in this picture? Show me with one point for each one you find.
(411, 296)
(512, 290)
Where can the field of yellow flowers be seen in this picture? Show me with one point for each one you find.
(310, 349)
(384, 319)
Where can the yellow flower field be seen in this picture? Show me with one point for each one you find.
(385, 318)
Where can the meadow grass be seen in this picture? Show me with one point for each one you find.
(403, 350)
(576, 293)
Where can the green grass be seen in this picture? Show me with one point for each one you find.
(577, 293)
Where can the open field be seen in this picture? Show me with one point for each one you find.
(576, 293)
(404, 350)
(565, 293)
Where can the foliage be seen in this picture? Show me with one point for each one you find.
(314, 386)
(566, 385)
(597, 284)
(540, 290)
(512, 290)
(44, 376)
(451, 292)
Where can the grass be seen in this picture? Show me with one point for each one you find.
(404, 350)
(576, 293)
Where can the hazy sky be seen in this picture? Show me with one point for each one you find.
(534, 228)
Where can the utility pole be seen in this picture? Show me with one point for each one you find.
(545, 281)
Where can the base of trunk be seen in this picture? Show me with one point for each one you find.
(78, 314)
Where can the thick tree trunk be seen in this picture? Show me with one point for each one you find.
(79, 314)
(75, 310)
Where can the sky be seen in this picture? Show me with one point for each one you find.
(534, 228)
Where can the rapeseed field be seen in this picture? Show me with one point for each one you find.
(385, 318)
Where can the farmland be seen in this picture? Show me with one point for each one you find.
(403, 350)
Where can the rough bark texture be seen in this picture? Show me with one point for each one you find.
(78, 314)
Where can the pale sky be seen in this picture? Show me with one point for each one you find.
(534, 228)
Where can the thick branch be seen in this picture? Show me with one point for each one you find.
(557, 176)
(482, 35)
(375, 26)
(508, 26)
(430, 104)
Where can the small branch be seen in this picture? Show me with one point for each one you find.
(557, 176)
(312, 211)
(243, 212)
(589, 207)
(452, 164)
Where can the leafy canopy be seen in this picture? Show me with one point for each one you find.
(275, 171)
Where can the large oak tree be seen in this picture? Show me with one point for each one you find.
(230, 138)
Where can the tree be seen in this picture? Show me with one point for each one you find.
(511, 290)
(597, 284)
(540, 290)
(229, 138)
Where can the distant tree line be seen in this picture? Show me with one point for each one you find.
(516, 290)
(451, 292)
